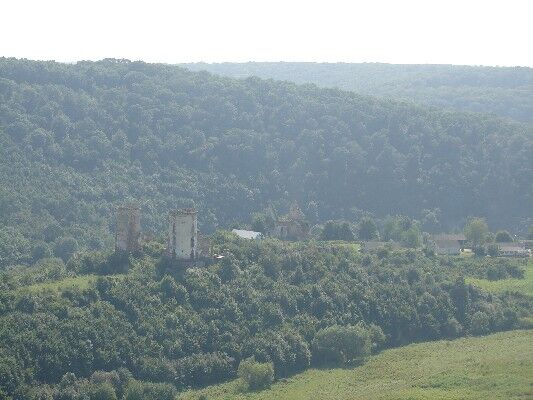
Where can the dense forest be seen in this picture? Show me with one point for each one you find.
(143, 327)
(506, 92)
(78, 139)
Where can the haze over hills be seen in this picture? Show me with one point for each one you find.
(139, 322)
(78, 139)
(502, 91)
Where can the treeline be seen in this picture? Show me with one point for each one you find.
(503, 91)
(290, 304)
(76, 140)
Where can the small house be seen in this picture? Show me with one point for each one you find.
(447, 247)
(251, 235)
(513, 249)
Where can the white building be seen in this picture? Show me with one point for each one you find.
(248, 234)
(183, 234)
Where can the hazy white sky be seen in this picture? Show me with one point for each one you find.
(480, 32)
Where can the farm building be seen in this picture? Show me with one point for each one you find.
(513, 249)
(248, 234)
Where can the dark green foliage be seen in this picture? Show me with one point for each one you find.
(45, 270)
(76, 140)
(476, 231)
(102, 391)
(65, 248)
(501, 91)
(256, 375)
(402, 229)
(493, 250)
(149, 391)
(14, 247)
(341, 344)
(367, 229)
(280, 303)
(480, 323)
(204, 369)
(337, 230)
(503, 236)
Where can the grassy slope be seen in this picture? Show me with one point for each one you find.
(498, 366)
(81, 282)
(523, 286)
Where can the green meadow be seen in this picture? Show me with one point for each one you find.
(80, 282)
(523, 286)
(498, 366)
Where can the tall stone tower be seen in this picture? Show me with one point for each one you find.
(128, 228)
(183, 234)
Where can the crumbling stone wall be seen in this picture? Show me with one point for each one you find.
(183, 234)
(128, 229)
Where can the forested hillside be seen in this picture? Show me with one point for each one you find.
(145, 324)
(506, 92)
(496, 367)
(76, 140)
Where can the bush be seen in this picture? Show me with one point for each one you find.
(65, 248)
(256, 375)
(103, 391)
(503, 236)
(149, 391)
(341, 344)
(204, 369)
(480, 323)
(493, 250)
(479, 251)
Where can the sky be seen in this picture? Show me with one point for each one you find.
(466, 32)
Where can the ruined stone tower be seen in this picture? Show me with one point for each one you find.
(183, 234)
(128, 228)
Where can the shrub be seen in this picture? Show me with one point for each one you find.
(256, 375)
(493, 250)
(377, 337)
(103, 391)
(479, 323)
(65, 248)
(503, 236)
(149, 391)
(341, 344)
(204, 369)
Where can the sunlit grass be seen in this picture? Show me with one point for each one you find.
(81, 282)
(498, 366)
(523, 286)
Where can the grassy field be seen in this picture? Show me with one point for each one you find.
(498, 366)
(81, 282)
(523, 286)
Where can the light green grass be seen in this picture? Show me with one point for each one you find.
(355, 247)
(498, 366)
(523, 286)
(81, 282)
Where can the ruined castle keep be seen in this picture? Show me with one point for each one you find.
(182, 241)
(128, 229)
(292, 226)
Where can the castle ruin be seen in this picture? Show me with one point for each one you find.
(128, 229)
(292, 226)
(182, 241)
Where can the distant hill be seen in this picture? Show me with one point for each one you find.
(502, 91)
(76, 140)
